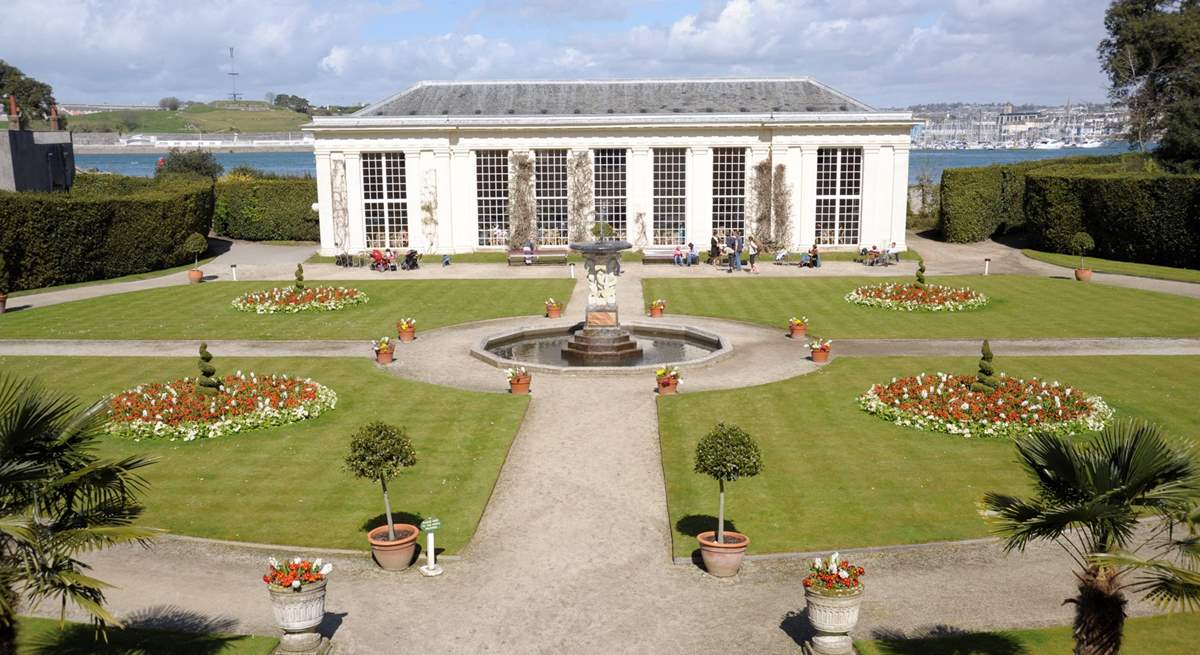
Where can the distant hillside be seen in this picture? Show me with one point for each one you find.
(254, 117)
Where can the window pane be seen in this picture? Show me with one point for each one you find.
(609, 166)
(550, 193)
(729, 190)
(385, 212)
(670, 196)
(491, 192)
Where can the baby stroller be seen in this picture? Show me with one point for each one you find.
(412, 261)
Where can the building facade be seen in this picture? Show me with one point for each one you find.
(661, 162)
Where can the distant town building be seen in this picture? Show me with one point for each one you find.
(671, 161)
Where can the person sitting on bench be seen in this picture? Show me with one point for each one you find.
(528, 252)
(677, 256)
(781, 255)
(693, 257)
(892, 254)
(873, 255)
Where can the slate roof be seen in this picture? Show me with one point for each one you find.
(620, 97)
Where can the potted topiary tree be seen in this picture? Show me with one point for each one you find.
(727, 453)
(1080, 244)
(195, 245)
(3, 285)
(379, 451)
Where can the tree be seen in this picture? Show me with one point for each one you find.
(298, 285)
(1088, 499)
(270, 98)
(34, 98)
(58, 501)
(170, 103)
(1080, 244)
(985, 380)
(379, 451)
(727, 453)
(207, 384)
(294, 103)
(195, 245)
(191, 162)
(1149, 56)
(128, 121)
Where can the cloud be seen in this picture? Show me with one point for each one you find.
(888, 53)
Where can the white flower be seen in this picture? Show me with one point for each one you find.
(296, 560)
(295, 584)
(326, 569)
(273, 562)
(317, 563)
(843, 575)
(817, 562)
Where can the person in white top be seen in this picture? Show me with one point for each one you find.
(753, 246)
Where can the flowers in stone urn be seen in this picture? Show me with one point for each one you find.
(296, 572)
(834, 576)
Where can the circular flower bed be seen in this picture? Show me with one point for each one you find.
(289, 300)
(911, 297)
(945, 403)
(177, 410)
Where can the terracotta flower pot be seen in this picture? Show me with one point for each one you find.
(1083, 274)
(195, 275)
(519, 386)
(722, 560)
(820, 356)
(407, 335)
(797, 331)
(383, 357)
(394, 555)
(656, 312)
(298, 612)
(668, 385)
(553, 311)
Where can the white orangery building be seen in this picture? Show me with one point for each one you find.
(663, 162)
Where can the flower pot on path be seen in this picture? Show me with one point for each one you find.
(656, 312)
(1083, 274)
(668, 385)
(394, 555)
(519, 386)
(298, 612)
(797, 331)
(820, 356)
(722, 560)
(195, 275)
(553, 311)
(383, 357)
(407, 335)
(833, 617)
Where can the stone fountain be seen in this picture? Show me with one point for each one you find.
(602, 340)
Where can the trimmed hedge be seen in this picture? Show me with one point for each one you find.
(1134, 216)
(979, 202)
(106, 226)
(258, 209)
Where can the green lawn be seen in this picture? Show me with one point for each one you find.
(124, 278)
(203, 311)
(1120, 268)
(38, 636)
(197, 118)
(286, 485)
(837, 477)
(1018, 307)
(1155, 635)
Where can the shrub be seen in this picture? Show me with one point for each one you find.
(106, 226)
(727, 453)
(208, 385)
(258, 208)
(194, 246)
(190, 162)
(985, 379)
(4, 277)
(379, 451)
(1080, 244)
(298, 285)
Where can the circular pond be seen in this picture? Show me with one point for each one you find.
(542, 348)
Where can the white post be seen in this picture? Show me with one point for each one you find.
(431, 568)
(987, 262)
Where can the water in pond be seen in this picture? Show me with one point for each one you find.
(655, 350)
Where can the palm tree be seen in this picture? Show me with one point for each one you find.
(58, 501)
(1089, 498)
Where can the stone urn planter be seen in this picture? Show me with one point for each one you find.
(394, 555)
(298, 612)
(1083, 274)
(833, 617)
(195, 275)
(553, 311)
(820, 356)
(722, 560)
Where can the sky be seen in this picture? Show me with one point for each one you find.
(890, 53)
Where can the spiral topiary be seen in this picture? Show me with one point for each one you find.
(920, 273)
(299, 277)
(985, 380)
(207, 384)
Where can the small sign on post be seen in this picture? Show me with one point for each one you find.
(431, 568)
(987, 264)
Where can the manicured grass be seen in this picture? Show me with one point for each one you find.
(836, 477)
(38, 636)
(124, 278)
(1018, 307)
(1120, 268)
(286, 485)
(198, 118)
(1154, 635)
(204, 311)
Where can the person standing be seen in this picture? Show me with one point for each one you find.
(730, 248)
(739, 245)
(714, 251)
(753, 248)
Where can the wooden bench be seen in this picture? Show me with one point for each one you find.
(543, 256)
(659, 256)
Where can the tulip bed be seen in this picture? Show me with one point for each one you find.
(946, 403)
(178, 411)
(912, 297)
(289, 300)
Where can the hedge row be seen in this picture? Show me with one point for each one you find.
(1146, 217)
(106, 226)
(266, 209)
(979, 202)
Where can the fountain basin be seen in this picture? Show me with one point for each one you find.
(541, 349)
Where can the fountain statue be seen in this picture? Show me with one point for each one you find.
(602, 340)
